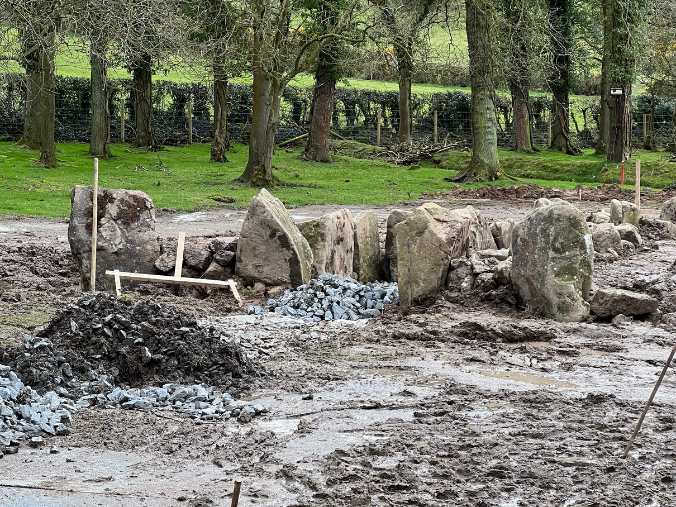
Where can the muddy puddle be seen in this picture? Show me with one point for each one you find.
(530, 379)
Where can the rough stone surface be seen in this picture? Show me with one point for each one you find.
(500, 255)
(611, 302)
(669, 210)
(197, 257)
(503, 272)
(217, 272)
(426, 242)
(270, 248)
(606, 237)
(670, 226)
(366, 247)
(502, 232)
(390, 270)
(600, 217)
(543, 201)
(629, 233)
(331, 239)
(480, 236)
(624, 212)
(628, 245)
(552, 262)
(126, 237)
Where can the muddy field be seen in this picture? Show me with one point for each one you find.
(465, 401)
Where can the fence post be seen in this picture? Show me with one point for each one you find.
(378, 113)
(645, 124)
(549, 132)
(190, 122)
(122, 120)
(638, 184)
(436, 130)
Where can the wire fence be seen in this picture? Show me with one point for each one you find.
(429, 127)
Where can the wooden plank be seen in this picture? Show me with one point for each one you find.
(235, 493)
(233, 287)
(95, 224)
(141, 277)
(179, 255)
(118, 288)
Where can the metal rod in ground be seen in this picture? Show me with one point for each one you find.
(649, 402)
(95, 225)
(235, 492)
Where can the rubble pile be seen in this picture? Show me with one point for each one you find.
(331, 297)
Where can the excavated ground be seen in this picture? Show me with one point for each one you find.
(464, 401)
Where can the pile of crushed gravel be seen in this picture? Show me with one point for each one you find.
(332, 297)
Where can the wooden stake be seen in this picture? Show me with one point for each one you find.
(235, 493)
(378, 113)
(190, 122)
(122, 120)
(95, 224)
(649, 402)
(436, 130)
(118, 288)
(637, 185)
(179, 255)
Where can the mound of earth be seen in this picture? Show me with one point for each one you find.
(100, 342)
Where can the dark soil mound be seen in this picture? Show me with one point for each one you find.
(105, 342)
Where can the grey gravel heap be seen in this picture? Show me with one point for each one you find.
(25, 414)
(332, 297)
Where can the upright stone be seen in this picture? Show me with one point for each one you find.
(480, 236)
(624, 212)
(390, 259)
(427, 241)
(502, 232)
(271, 249)
(331, 239)
(552, 262)
(366, 247)
(126, 238)
(669, 210)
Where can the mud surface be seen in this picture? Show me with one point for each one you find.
(457, 402)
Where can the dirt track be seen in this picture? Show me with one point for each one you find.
(466, 402)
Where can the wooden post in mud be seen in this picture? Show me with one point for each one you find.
(235, 493)
(95, 225)
(436, 129)
(378, 113)
(649, 402)
(122, 120)
(638, 184)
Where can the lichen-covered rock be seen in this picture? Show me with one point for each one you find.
(126, 238)
(670, 226)
(669, 210)
(502, 232)
(270, 248)
(426, 242)
(543, 201)
(331, 239)
(605, 236)
(611, 302)
(480, 236)
(599, 217)
(629, 233)
(390, 270)
(624, 212)
(552, 262)
(366, 247)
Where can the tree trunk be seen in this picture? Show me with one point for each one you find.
(32, 127)
(257, 164)
(649, 143)
(99, 145)
(47, 105)
(604, 111)
(143, 104)
(619, 139)
(317, 147)
(221, 142)
(523, 129)
(484, 164)
(403, 49)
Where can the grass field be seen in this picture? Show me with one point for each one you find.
(184, 179)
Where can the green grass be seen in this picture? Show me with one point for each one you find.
(187, 181)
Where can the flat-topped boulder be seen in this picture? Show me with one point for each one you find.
(552, 262)
(366, 247)
(611, 302)
(331, 239)
(126, 238)
(270, 248)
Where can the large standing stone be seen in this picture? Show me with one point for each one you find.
(366, 246)
(390, 259)
(331, 238)
(624, 212)
(126, 238)
(611, 302)
(271, 249)
(480, 235)
(426, 242)
(502, 232)
(605, 236)
(552, 262)
(669, 210)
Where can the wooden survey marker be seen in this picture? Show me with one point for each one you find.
(177, 279)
